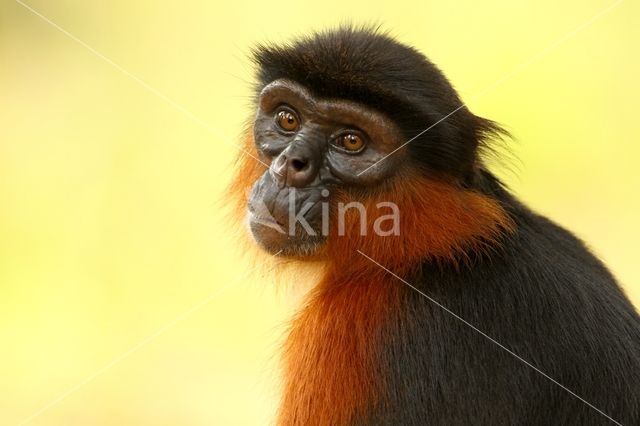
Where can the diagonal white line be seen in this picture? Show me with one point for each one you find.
(138, 346)
(544, 52)
(517, 69)
(491, 339)
(135, 78)
(212, 130)
(412, 139)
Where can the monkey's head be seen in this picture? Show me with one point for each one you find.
(353, 116)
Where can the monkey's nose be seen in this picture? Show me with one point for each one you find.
(300, 171)
(293, 169)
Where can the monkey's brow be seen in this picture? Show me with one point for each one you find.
(491, 339)
(513, 72)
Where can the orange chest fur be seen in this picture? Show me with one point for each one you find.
(330, 359)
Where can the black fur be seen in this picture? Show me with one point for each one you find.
(547, 299)
(544, 296)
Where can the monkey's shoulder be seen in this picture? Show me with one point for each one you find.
(542, 301)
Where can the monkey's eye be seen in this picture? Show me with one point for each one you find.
(351, 142)
(287, 120)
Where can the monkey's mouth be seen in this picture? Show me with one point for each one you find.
(265, 220)
(286, 238)
(286, 220)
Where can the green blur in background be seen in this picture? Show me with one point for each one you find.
(122, 300)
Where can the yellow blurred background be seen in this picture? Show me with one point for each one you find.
(122, 300)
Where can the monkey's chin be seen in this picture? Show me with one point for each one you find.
(274, 238)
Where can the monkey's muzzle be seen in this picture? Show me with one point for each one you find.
(287, 219)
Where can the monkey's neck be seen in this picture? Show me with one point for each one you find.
(334, 353)
(331, 357)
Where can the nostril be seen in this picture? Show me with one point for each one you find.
(298, 164)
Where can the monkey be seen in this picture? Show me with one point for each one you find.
(479, 311)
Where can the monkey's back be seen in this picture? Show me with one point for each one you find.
(545, 298)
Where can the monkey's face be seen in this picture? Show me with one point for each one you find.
(313, 146)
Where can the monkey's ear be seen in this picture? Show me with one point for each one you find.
(493, 143)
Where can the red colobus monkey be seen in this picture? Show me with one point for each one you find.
(475, 310)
